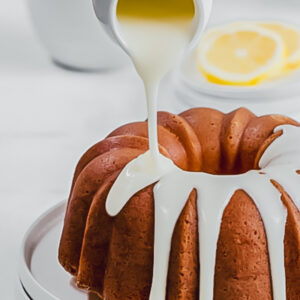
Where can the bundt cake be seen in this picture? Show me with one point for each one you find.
(232, 155)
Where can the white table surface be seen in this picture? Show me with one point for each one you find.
(48, 118)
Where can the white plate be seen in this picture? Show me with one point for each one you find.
(20, 293)
(280, 96)
(286, 86)
(39, 270)
(277, 96)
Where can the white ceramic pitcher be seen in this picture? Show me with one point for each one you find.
(106, 13)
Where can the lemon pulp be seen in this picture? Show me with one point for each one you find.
(241, 52)
(291, 37)
(247, 53)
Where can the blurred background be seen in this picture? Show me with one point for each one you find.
(64, 86)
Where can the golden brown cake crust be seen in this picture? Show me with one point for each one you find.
(114, 256)
(242, 264)
(183, 277)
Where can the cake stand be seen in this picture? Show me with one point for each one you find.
(40, 275)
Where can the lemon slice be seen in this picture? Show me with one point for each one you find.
(291, 37)
(241, 55)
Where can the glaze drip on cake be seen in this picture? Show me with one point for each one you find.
(214, 193)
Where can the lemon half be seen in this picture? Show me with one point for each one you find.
(241, 54)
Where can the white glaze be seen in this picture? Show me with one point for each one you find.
(213, 194)
(155, 47)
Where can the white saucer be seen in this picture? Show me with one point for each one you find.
(40, 273)
(283, 87)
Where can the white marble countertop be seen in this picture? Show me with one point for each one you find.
(48, 118)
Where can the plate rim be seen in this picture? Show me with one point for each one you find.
(32, 286)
